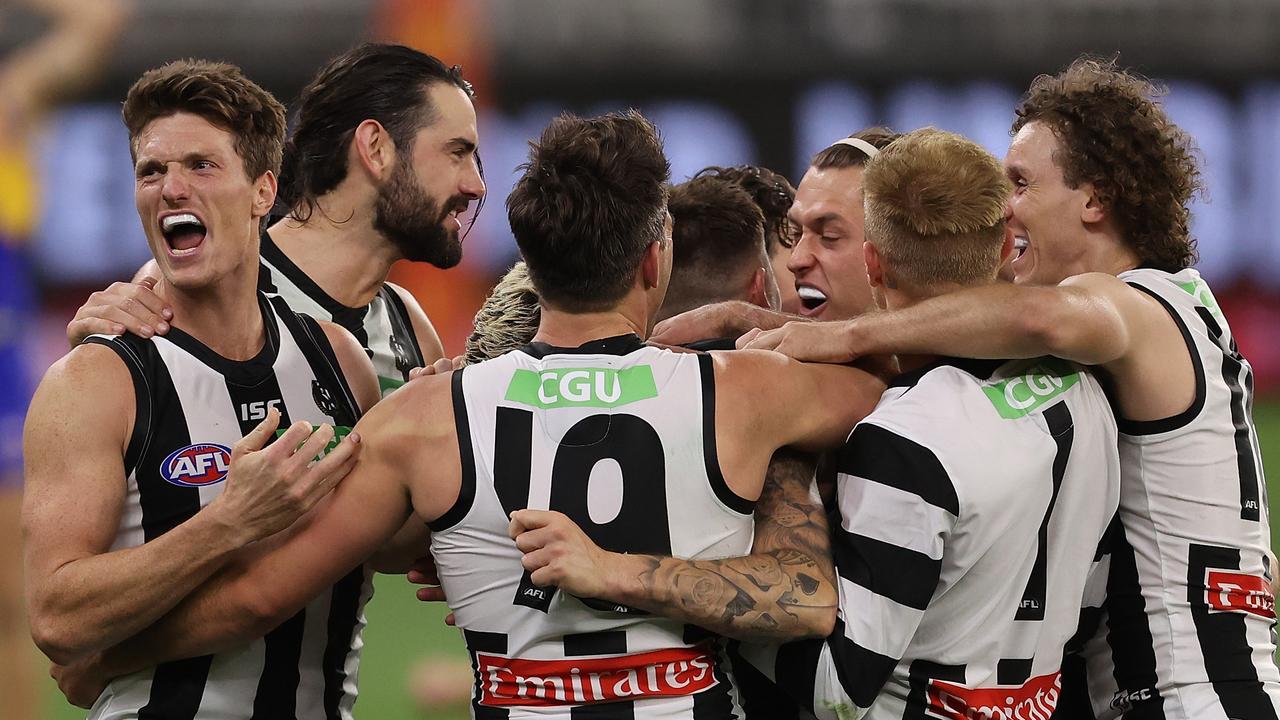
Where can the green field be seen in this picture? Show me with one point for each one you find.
(402, 630)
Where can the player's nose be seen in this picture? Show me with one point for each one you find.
(801, 255)
(174, 187)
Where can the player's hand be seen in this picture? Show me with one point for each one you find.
(269, 487)
(805, 341)
(124, 306)
(439, 367)
(557, 552)
(424, 573)
(720, 320)
(82, 682)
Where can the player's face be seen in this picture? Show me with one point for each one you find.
(199, 210)
(418, 206)
(830, 274)
(1050, 241)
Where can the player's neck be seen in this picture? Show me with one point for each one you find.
(225, 317)
(349, 260)
(563, 329)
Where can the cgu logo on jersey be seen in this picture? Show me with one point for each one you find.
(582, 387)
(674, 672)
(1035, 699)
(1199, 290)
(197, 465)
(1024, 394)
(1230, 591)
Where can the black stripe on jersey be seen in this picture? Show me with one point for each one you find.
(919, 675)
(467, 491)
(139, 437)
(731, 499)
(330, 391)
(402, 333)
(266, 283)
(1013, 671)
(1058, 418)
(883, 456)
(1073, 700)
(1129, 636)
(1241, 398)
(177, 689)
(490, 643)
(902, 575)
(761, 699)
(616, 345)
(348, 317)
(245, 372)
(716, 702)
(609, 642)
(513, 433)
(1182, 419)
(1224, 642)
(796, 671)
(862, 672)
(344, 615)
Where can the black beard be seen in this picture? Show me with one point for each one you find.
(413, 221)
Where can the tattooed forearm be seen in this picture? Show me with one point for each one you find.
(784, 590)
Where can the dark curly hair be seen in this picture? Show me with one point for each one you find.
(772, 192)
(1114, 134)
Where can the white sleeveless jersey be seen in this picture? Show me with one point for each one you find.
(620, 437)
(192, 407)
(971, 505)
(1186, 631)
(382, 327)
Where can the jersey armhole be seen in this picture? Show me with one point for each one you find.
(726, 495)
(140, 436)
(401, 321)
(1184, 418)
(467, 490)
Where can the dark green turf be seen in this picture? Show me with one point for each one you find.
(401, 629)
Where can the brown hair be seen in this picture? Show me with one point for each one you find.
(772, 192)
(508, 319)
(219, 93)
(935, 209)
(718, 231)
(1113, 134)
(839, 155)
(592, 198)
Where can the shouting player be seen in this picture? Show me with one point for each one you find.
(1102, 179)
(146, 465)
(970, 502)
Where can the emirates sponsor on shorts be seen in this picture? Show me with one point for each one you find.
(1035, 699)
(579, 681)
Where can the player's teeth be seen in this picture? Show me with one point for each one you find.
(1020, 243)
(174, 220)
(808, 293)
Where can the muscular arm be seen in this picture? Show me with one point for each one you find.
(785, 589)
(719, 320)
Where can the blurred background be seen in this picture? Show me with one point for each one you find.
(727, 82)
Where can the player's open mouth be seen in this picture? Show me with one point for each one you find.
(812, 299)
(184, 232)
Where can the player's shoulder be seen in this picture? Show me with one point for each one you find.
(100, 369)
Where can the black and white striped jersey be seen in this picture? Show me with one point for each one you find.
(620, 437)
(382, 327)
(971, 505)
(1187, 628)
(192, 407)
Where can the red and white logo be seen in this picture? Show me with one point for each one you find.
(197, 465)
(578, 681)
(1228, 591)
(1035, 699)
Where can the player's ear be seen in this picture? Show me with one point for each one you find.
(651, 265)
(372, 149)
(756, 294)
(1006, 246)
(1093, 211)
(875, 270)
(264, 194)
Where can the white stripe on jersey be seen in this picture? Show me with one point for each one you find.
(899, 517)
(1175, 641)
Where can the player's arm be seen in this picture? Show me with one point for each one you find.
(82, 596)
(718, 320)
(270, 583)
(1094, 319)
(428, 339)
(785, 589)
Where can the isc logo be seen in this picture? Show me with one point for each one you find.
(257, 410)
(197, 465)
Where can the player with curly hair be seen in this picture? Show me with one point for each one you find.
(1103, 276)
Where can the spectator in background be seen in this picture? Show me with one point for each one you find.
(774, 194)
(719, 252)
(33, 80)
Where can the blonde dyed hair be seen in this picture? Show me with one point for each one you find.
(508, 319)
(935, 208)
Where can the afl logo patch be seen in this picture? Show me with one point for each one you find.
(197, 465)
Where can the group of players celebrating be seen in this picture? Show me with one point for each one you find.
(1038, 486)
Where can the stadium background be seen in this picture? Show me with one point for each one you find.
(727, 82)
